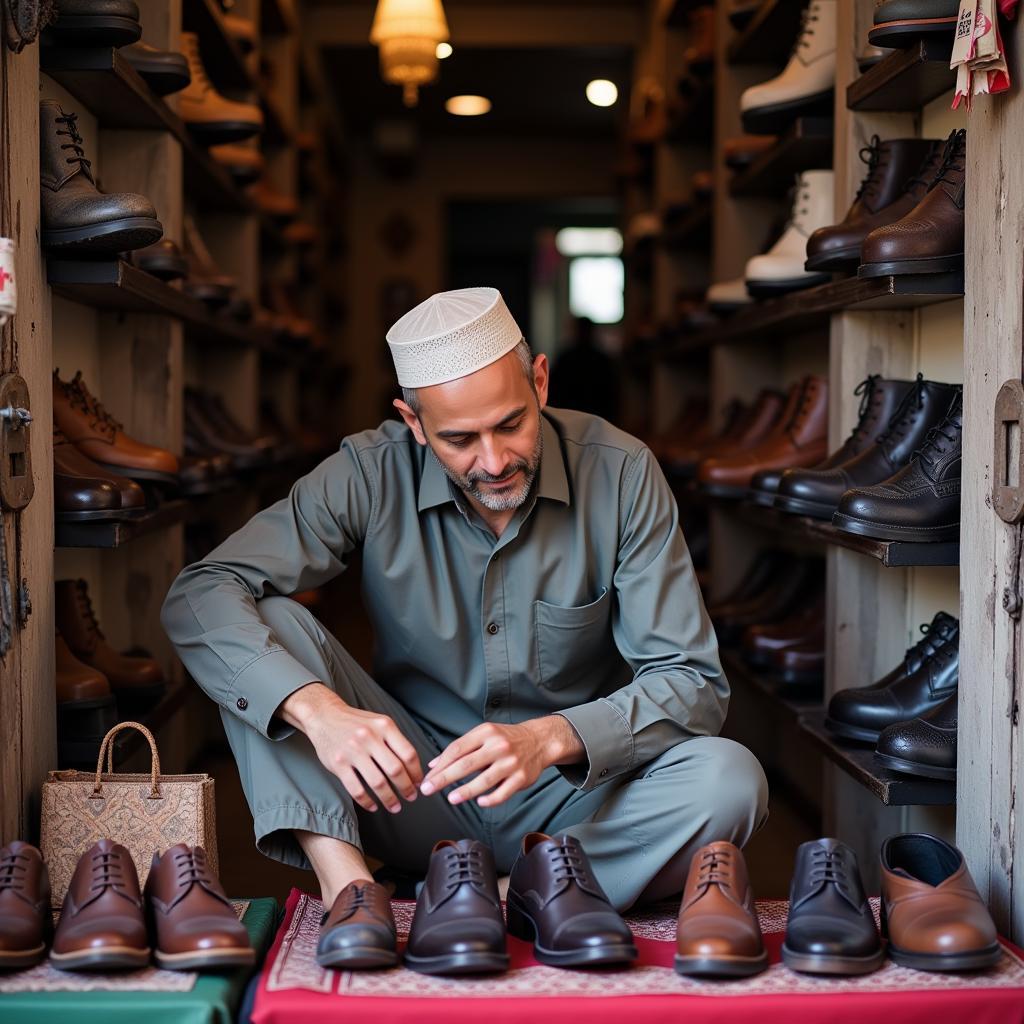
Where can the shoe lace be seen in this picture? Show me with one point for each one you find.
(80, 397)
(807, 392)
(954, 160)
(807, 19)
(195, 64)
(932, 641)
(800, 195)
(70, 129)
(828, 867)
(464, 866)
(867, 414)
(85, 607)
(568, 864)
(871, 154)
(940, 440)
(12, 871)
(191, 867)
(903, 417)
(106, 871)
(715, 868)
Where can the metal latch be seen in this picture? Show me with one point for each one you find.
(16, 484)
(1008, 464)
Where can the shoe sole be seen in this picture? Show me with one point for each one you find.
(215, 296)
(847, 259)
(90, 30)
(819, 963)
(721, 966)
(803, 507)
(459, 963)
(107, 238)
(166, 269)
(112, 958)
(901, 34)
(880, 531)
(852, 732)
(359, 958)
(766, 499)
(213, 133)
(931, 265)
(975, 960)
(926, 771)
(521, 926)
(162, 77)
(775, 118)
(21, 958)
(211, 959)
(115, 515)
(785, 285)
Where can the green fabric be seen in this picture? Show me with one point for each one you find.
(586, 606)
(214, 998)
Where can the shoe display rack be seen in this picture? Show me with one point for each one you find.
(265, 356)
(952, 326)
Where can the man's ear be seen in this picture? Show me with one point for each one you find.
(412, 421)
(541, 378)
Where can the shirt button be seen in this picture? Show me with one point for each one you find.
(495, 702)
(603, 772)
(492, 628)
(241, 703)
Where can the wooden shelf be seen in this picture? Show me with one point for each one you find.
(276, 133)
(790, 700)
(277, 17)
(692, 232)
(118, 286)
(116, 534)
(811, 308)
(770, 34)
(905, 80)
(806, 146)
(221, 57)
(858, 761)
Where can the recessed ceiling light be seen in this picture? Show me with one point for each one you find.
(467, 106)
(602, 93)
(443, 50)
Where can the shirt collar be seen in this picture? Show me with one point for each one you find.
(552, 481)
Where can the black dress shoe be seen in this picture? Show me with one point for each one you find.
(457, 927)
(925, 678)
(164, 71)
(94, 23)
(831, 929)
(894, 418)
(921, 502)
(358, 932)
(924, 746)
(764, 485)
(555, 902)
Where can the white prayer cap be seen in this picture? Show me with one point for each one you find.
(450, 335)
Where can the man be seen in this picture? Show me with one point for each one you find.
(544, 660)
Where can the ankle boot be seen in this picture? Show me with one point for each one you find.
(213, 118)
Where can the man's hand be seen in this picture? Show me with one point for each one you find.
(357, 746)
(508, 757)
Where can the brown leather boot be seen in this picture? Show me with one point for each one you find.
(98, 435)
(135, 681)
(101, 925)
(195, 926)
(86, 709)
(25, 920)
(78, 683)
(718, 934)
(208, 115)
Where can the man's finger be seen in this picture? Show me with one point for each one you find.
(473, 762)
(356, 789)
(395, 771)
(482, 783)
(456, 749)
(374, 778)
(508, 788)
(406, 753)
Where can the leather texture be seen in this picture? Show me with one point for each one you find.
(762, 641)
(883, 197)
(25, 922)
(359, 930)
(830, 929)
(78, 683)
(933, 916)
(924, 746)
(717, 933)
(921, 502)
(682, 457)
(931, 236)
(458, 927)
(138, 678)
(802, 663)
(164, 71)
(927, 676)
(120, 8)
(88, 425)
(555, 901)
(102, 925)
(195, 926)
(80, 485)
(205, 110)
(163, 259)
(816, 491)
(914, 10)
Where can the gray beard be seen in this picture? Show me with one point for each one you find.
(469, 485)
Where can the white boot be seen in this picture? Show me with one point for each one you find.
(781, 268)
(805, 85)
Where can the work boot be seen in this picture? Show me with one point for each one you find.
(86, 710)
(164, 71)
(76, 216)
(244, 163)
(209, 116)
(901, 23)
(89, 23)
(163, 260)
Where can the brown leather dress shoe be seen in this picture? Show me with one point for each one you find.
(25, 920)
(86, 492)
(931, 911)
(359, 931)
(195, 926)
(99, 436)
(102, 926)
(555, 902)
(718, 934)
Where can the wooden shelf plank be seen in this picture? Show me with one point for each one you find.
(116, 534)
(811, 308)
(223, 60)
(806, 146)
(858, 761)
(905, 80)
(769, 35)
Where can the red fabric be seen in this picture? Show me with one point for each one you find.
(893, 994)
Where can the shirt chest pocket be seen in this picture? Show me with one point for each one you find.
(570, 642)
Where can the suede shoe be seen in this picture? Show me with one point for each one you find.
(358, 932)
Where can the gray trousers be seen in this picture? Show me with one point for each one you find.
(639, 831)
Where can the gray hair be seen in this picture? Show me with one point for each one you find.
(523, 354)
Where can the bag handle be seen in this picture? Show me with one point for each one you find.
(107, 748)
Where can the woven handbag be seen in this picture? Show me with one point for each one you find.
(144, 813)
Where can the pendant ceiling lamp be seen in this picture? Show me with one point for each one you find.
(407, 32)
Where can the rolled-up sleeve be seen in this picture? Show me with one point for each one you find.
(300, 542)
(663, 632)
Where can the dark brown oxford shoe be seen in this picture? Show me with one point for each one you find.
(457, 927)
(555, 901)
(25, 921)
(358, 932)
